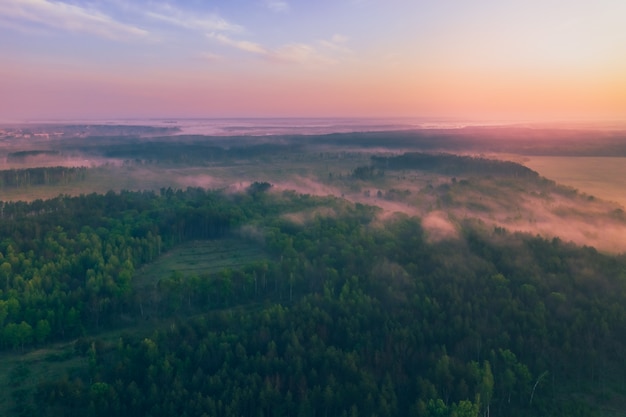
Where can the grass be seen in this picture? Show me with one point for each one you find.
(24, 371)
(603, 177)
(199, 257)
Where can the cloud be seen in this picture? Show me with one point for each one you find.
(206, 23)
(438, 227)
(243, 45)
(337, 43)
(279, 6)
(301, 53)
(290, 53)
(25, 29)
(318, 54)
(294, 52)
(69, 17)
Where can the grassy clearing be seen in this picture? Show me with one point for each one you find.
(22, 372)
(199, 257)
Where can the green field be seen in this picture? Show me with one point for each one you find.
(20, 373)
(199, 257)
(602, 177)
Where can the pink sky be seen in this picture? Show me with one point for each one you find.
(559, 60)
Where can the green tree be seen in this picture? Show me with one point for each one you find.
(42, 331)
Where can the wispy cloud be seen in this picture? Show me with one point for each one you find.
(67, 17)
(277, 5)
(206, 23)
(301, 53)
(320, 53)
(336, 43)
(294, 52)
(242, 45)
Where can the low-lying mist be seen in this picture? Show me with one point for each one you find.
(324, 163)
(542, 208)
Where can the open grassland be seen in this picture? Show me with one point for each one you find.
(602, 177)
(20, 373)
(199, 257)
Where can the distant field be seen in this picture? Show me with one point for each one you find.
(602, 177)
(200, 257)
(294, 173)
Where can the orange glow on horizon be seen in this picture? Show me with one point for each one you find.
(351, 92)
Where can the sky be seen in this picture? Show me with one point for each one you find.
(478, 60)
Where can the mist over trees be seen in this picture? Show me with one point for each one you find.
(401, 294)
(449, 164)
(48, 176)
(345, 314)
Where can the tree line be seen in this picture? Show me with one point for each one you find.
(28, 177)
(450, 164)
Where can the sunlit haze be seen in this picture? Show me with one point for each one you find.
(482, 60)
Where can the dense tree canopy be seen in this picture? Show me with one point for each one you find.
(348, 314)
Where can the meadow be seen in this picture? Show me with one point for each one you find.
(601, 177)
(197, 258)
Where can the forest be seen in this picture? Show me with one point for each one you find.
(343, 316)
(297, 304)
(28, 177)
